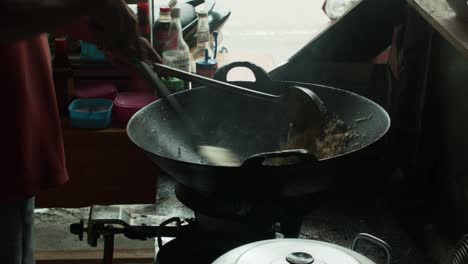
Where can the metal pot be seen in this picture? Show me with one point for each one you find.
(302, 251)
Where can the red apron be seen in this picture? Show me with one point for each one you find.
(31, 139)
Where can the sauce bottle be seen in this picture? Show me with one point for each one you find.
(176, 52)
(143, 17)
(203, 38)
(161, 29)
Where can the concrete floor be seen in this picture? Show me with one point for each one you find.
(52, 225)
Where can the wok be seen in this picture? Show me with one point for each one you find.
(253, 130)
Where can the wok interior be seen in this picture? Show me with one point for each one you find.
(245, 125)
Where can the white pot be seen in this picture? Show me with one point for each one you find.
(301, 251)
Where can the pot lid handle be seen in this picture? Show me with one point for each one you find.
(300, 258)
(376, 241)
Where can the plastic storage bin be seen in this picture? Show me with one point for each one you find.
(91, 53)
(126, 104)
(96, 89)
(91, 113)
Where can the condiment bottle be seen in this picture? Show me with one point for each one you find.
(143, 17)
(161, 29)
(63, 75)
(207, 67)
(176, 52)
(203, 38)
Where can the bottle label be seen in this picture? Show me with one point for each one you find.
(179, 60)
(203, 36)
(209, 73)
(162, 37)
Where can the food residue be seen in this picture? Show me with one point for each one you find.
(334, 141)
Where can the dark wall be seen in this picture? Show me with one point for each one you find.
(446, 135)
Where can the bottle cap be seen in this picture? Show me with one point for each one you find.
(202, 14)
(175, 12)
(173, 84)
(143, 7)
(164, 9)
(209, 64)
(61, 45)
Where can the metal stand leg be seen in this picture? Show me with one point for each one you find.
(108, 249)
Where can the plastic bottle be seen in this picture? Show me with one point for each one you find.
(176, 52)
(143, 16)
(203, 38)
(161, 29)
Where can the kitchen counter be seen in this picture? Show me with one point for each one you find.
(443, 19)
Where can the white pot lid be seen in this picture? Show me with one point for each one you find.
(292, 251)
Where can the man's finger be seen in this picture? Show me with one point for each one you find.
(150, 53)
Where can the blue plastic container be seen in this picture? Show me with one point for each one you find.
(91, 113)
(90, 52)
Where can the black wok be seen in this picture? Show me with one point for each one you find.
(253, 130)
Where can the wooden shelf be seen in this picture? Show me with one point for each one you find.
(113, 129)
(105, 167)
(443, 19)
(94, 256)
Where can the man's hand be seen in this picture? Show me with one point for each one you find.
(143, 51)
(116, 30)
(146, 51)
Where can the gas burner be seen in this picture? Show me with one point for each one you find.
(220, 224)
(284, 213)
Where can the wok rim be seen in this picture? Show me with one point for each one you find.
(385, 116)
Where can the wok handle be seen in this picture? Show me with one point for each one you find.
(261, 76)
(187, 76)
(258, 160)
(376, 241)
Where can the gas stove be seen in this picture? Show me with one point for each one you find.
(218, 226)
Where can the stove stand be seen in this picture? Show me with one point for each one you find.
(220, 224)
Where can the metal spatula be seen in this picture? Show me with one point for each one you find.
(213, 154)
(303, 107)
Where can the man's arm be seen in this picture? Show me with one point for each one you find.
(111, 22)
(27, 18)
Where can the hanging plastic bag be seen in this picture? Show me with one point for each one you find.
(337, 8)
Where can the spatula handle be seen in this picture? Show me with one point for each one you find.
(166, 70)
(159, 86)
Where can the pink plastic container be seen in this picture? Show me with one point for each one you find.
(126, 104)
(103, 90)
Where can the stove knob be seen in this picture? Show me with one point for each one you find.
(299, 258)
(78, 229)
